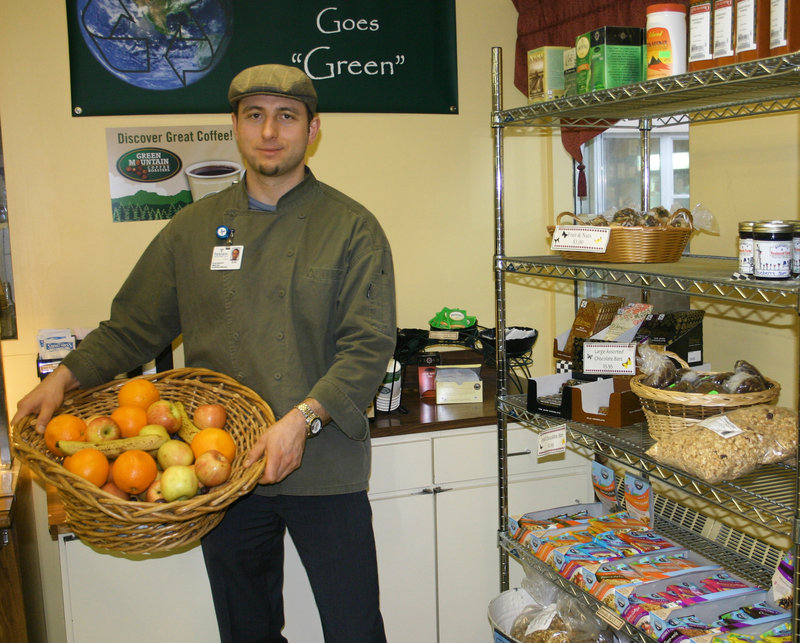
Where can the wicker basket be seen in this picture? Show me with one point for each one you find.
(103, 520)
(636, 244)
(668, 411)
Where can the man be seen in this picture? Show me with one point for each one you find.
(305, 316)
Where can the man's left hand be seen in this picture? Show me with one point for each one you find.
(282, 444)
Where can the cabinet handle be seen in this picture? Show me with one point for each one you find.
(525, 452)
(441, 490)
(424, 492)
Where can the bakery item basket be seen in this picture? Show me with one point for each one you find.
(668, 412)
(106, 521)
(636, 244)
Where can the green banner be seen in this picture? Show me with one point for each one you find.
(136, 57)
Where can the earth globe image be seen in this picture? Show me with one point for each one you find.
(157, 44)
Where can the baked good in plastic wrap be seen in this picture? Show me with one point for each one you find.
(729, 445)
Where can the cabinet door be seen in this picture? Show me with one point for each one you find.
(468, 557)
(404, 537)
(136, 598)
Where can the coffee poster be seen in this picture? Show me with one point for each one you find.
(155, 171)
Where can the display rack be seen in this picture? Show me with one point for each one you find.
(768, 498)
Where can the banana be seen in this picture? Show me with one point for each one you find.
(188, 428)
(112, 448)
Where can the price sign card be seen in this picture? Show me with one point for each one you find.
(580, 237)
(552, 440)
(606, 358)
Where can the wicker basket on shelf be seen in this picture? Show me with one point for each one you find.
(636, 244)
(669, 411)
(103, 520)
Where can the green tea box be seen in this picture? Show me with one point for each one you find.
(545, 74)
(609, 57)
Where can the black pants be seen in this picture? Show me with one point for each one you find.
(333, 536)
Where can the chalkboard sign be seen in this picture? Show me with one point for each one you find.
(165, 58)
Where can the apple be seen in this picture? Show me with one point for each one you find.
(212, 468)
(166, 414)
(114, 490)
(102, 427)
(178, 482)
(153, 493)
(210, 415)
(154, 429)
(174, 452)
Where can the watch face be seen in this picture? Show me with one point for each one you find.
(315, 426)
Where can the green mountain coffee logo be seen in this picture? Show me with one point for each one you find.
(149, 165)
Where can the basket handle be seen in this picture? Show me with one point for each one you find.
(681, 213)
(677, 358)
(575, 220)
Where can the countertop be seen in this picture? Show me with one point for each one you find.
(413, 416)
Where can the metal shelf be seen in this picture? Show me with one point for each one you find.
(695, 275)
(765, 497)
(767, 86)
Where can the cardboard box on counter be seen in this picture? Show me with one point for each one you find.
(459, 384)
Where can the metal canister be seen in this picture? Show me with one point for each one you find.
(746, 247)
(772, 249)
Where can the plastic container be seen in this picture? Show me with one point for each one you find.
(784, 27)
(666, 40)
(746, 247)
(724, 32)
(752, 29)
(701, 35)
(772, 249)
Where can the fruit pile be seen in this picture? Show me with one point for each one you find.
(147, 448)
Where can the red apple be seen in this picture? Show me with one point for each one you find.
(154, 492)
(102, 427)
(174, 452)
(114, 490)
(210, 415)
(212, 468)
(166, 414)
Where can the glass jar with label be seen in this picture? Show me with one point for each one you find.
(746, 247)
(796, 248)
(772, 249)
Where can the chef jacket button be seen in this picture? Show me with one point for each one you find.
(277, 376)
(281, 293)
(279, 336)
(235, 337)
(290, 253)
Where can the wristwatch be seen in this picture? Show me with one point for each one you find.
(313, 421)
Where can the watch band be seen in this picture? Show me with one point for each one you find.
(313, 421)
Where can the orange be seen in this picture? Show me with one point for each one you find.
(213, 438)
(130, 418)
(89, 464)
(134, 470)
(64, 427)
(137, 392)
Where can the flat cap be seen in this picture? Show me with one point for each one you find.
(273, 80)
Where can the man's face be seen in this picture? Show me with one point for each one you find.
(272, 133)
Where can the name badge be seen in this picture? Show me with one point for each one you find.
(227, 257)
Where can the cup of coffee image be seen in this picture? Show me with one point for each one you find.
(208, 177)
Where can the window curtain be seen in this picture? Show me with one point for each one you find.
(557, 23)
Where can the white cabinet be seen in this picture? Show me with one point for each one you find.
(434, 499)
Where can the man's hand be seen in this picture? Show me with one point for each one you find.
(282, 444)
(46, 397)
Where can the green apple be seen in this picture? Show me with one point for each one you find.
(179, 482)
(154, 429)
(174, 452)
